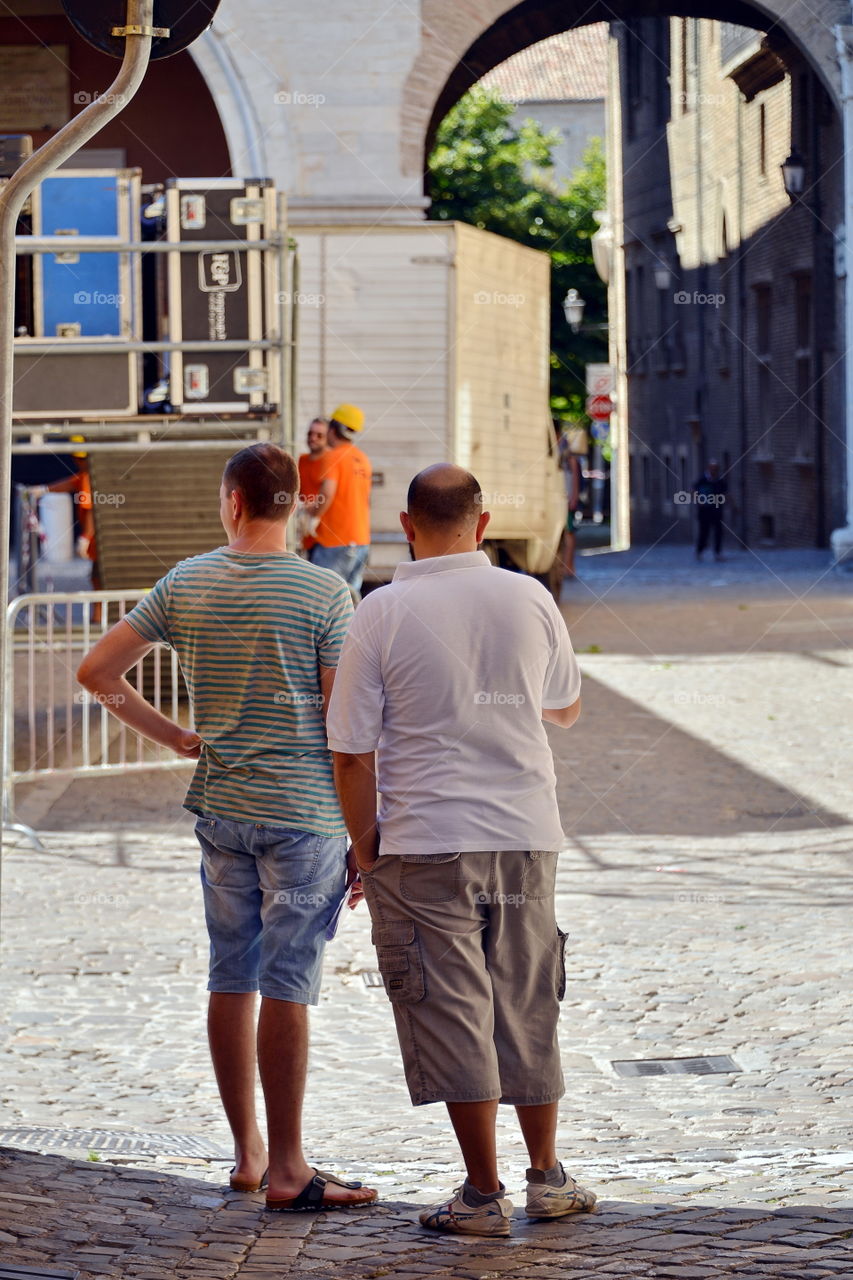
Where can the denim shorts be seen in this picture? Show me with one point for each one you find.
(270, 893)
(349, 562)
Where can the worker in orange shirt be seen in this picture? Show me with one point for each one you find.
(343, 529)
(313, 465)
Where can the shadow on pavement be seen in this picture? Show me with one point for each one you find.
(625, 770)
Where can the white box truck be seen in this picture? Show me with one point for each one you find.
(440, 333)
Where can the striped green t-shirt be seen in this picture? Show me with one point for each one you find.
(250, 632)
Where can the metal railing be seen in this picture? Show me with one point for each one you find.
(52, 728)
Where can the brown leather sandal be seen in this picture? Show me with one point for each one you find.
(311, 1198)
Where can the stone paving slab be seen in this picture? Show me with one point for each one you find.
(706, 887)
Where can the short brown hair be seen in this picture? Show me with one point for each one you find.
(267, 480)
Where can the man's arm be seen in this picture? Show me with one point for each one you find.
(565, 717)
(355, 779)
(328, 489)
(102, 672)
(327, 683)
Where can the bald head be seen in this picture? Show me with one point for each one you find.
(444, 498)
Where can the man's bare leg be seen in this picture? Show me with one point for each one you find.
(539, 1128)
(474, 1124)
(231, 1035)
(283, 1062)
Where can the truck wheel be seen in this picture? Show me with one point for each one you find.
(553, 579)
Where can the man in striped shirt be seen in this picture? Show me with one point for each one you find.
(258, 632)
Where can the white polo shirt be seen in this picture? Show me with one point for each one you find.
(446, 671)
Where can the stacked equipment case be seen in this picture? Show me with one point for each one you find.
(223, 295)
(82, 297)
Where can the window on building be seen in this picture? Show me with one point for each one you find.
(805, 414)
(684, 480)
(661, 70)
(763, 317)
(803, 313)
(762, 139)
(633, 74)
(802, 106)
(765, 417)
(645, 477)
(684, 61)
(669, 486)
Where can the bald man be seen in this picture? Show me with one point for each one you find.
(445, 679)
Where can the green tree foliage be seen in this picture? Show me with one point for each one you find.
(486, 171)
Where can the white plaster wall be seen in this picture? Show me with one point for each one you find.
(577, 122)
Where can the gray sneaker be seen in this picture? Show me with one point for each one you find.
(492, 1219)
(547, 1201)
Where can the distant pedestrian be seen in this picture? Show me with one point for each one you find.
(343, 529)
(450, 671)
(258, 632)
(313, 466)
(709, 495)
(572, 476)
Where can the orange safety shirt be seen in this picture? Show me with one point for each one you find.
(312, 469)
(345, 521)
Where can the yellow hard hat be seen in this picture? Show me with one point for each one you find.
(349, 416)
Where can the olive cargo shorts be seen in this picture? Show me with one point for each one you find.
(472, 962)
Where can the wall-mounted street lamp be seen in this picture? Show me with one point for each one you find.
(574, 306)
(663, 277)
(794, 174)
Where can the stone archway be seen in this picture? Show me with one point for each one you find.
(460, 42)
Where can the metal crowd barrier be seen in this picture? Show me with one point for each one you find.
(52, 728)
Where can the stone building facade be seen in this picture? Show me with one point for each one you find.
(338, 105)
(728, 317)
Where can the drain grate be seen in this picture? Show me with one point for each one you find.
(35, 1273)
(149, 1144)
(372, 978)
(710, 1065)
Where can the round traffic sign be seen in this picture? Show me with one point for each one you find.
(599, 407)
(185, 19)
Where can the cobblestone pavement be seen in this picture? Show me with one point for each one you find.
(706, 888)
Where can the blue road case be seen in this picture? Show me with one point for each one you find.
(83, 296)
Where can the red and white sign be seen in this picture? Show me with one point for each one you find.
(599, 408)
(600, 379)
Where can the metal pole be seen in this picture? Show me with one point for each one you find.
(13, 196)
(842, 539)
(115, 244)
